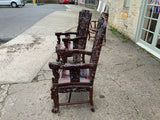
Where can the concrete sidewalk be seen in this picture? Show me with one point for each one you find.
(22, 57)
(127, 83)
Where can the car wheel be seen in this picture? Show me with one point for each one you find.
(14, 5)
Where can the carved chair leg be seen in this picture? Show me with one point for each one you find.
(69, 99)
(58, 58)
(64, 59)
(91, 99)
(56, 101)
(83, 58)
(105, 38)
(89, 36)
(52, 95)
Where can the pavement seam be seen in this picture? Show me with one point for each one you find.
(7, 93)
(3, 102)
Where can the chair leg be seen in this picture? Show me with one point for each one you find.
(56, 100)
(89, 36)
(69, 99)
(64, 59)
(58, 58)
(105, 38)
(91, 99)
(52, 96)
(83, 58)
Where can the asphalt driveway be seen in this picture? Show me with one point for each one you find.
(14, 21)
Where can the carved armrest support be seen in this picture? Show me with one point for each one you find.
(55, 67)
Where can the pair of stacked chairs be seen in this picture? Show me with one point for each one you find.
(77, 76)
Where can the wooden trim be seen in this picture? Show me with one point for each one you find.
(72, 83)
(72, 103)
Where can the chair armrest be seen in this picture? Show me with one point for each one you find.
(94, 21)
(65, 33)
(54, 65)
(73, 39)
(73, 51)
(68, 66)
(55, 68)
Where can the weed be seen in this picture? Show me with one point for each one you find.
(114, 30)
(124, 40)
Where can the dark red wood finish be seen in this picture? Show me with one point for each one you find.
(93, 25)
(77, 77)
(78, 42)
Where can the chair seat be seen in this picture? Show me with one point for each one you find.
(62, 46)
(65, 76)
(74, 77)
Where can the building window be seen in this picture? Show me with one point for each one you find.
(126, 3)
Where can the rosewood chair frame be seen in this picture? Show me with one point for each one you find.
(78, 42)
(93, 25)
(81, 76)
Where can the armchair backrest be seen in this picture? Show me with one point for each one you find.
(83, 27)
(97, 45)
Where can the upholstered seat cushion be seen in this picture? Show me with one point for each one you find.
(65, 76)
(62, 46)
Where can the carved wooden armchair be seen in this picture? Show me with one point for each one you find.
(81, 34)
(93, 25)
(77, 77)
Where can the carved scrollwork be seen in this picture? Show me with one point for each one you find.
(101, 29)
(83, 26)
(73, 88)
(85, 14)
(73, 82)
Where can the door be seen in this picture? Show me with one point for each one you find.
(148, 34)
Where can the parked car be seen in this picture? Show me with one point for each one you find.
(13, 3)
(64, 2)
